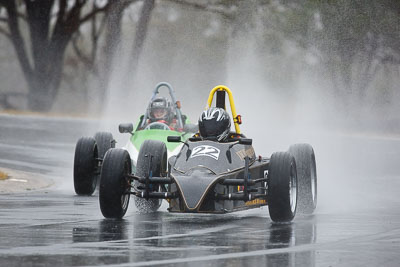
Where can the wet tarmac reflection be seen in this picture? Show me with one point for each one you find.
(193, 240)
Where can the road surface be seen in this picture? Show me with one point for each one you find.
(357, 221)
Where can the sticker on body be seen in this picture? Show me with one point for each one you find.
(205, 150)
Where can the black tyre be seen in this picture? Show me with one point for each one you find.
(104, 142)
(282, 187)
(85, 166)
(158, 151)
(307, 177)
(114, 190)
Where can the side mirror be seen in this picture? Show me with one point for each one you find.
(245, 141)
(174, 139)
(125, 128)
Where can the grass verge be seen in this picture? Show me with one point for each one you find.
(3, 175)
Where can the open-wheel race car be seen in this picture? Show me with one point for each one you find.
(90, 151)
(211, 176)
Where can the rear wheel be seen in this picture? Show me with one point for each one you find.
(104, 141)
(85, 166)
(114, 190)
(158, 151)
(307, 177)
(282, 187)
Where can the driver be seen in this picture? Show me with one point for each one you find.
(215, 124)
(160, 111)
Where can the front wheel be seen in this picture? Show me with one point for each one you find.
(307, 177)
(282, 187)
(157, 151)
(115, 188)
(85, 166)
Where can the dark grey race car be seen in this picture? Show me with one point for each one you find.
(210, 177)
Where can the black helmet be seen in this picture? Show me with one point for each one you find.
(157, 105)
(214, 123)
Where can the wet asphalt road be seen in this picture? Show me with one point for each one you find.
(357, 222)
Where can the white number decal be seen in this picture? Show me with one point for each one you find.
(205, 150)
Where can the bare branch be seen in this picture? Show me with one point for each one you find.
(18, 41)
(22, 16)
(60, 16)
(106, 7)
(101, 27)
(204, 7)
(94, 12)
(95, 37)
(85, 59)
(19, 15)
(5, 32)
(61, 11)
(72, 19)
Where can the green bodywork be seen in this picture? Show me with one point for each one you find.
(139, 136)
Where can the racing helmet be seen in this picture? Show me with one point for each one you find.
(214, 123)
(159, 109)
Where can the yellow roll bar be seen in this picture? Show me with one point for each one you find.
(236, 118)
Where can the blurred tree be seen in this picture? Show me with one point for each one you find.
(111, 44)
(54, 24)
(144, 20)
(49, 37)
(129, 73)
(356, 40)
(352, 40)
(140, 36)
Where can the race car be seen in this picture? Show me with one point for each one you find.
(208, 176)
(90, 151)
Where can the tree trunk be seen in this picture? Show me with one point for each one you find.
(38, 18)
(17, 40)
(140, 37)
(44, 86)
(112, 43)
(44, 74)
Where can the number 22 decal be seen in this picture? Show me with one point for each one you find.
(205, 150)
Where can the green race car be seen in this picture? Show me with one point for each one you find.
(163, 118)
